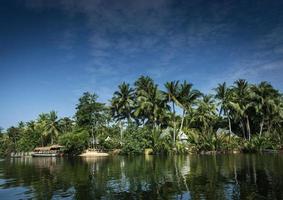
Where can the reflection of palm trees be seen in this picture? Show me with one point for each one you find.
(195, 176)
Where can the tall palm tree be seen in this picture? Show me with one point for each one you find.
(224, 95)
(122, 102)
(205, 113)
(40, 126)
(242, 105)
(264, 97)
(143, 84)
(52, 126)
(187, 98)
(144, 90)
(66, 124)
(172, 95)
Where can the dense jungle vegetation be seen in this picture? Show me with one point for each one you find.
(175, 119)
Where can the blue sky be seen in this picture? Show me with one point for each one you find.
(51, 51)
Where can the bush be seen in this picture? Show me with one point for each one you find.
(135, 140)
(6, 146)
(75, 142)
(257, 144)
(211, 142)
(113, 135)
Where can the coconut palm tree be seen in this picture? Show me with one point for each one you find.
(66, 124)
(143, 84)
(144, 90)
(122, 102)
(264, 98)
(52, 126)
(187, 98)
(172, 95)
(40, 126)
(224, 96)
(205, 113)
(242, 105)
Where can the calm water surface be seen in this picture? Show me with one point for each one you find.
(151, 177)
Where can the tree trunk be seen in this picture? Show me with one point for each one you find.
(93, 139)
(182, 122)
(243, 129)
(42, 141)
(174, 125)
(128, 119)
(269, 128)
(248, 128)
(261, 127)
(121, 133)
(230, 127)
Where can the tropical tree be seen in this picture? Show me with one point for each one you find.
(264, 99)
(66, 124)
(52, 126)
(172, 95)
(40, 126)
(205, 113)
(14, 135)
(122, 102)
(241, 104)
(224, 96)
(187, 97)
(90, 114)
(144, 91)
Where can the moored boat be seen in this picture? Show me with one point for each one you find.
(51, 151)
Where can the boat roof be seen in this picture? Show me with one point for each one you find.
(48, 148)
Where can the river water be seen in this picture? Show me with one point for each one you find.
(241, 176)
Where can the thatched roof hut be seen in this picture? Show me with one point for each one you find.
(50, 148)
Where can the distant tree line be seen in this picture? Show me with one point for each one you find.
(176, 119)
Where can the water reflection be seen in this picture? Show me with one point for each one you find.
(150, 177)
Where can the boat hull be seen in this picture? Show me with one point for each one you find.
(44, 154)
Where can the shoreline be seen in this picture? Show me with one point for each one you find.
(89, 153)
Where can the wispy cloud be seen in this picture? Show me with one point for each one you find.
(169, 41)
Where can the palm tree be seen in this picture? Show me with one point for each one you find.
(143, 84)
(66, 124)
(264, 98)
(41, 126)
(187, 98)
(242, 104)
(172, 94)
(205, 113)
(52, 126)
(144, 90)
(224, 95)
(122, 105)
(122, 102)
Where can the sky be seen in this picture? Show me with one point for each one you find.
(51, 51)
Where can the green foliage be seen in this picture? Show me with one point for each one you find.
(211, 142)
(75, 142)
(6, 145)
(258, 144)
(89, 111)
(109, 138)
(135, 140)
(28, 141)
(142, 115)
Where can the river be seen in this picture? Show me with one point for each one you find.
(240, 176)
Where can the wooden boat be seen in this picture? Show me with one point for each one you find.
(94, 153)
(51, 151)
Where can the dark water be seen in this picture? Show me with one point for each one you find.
(150, 177)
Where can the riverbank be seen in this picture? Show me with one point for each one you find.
(94, 153)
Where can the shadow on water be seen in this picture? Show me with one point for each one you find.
(144, 177)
